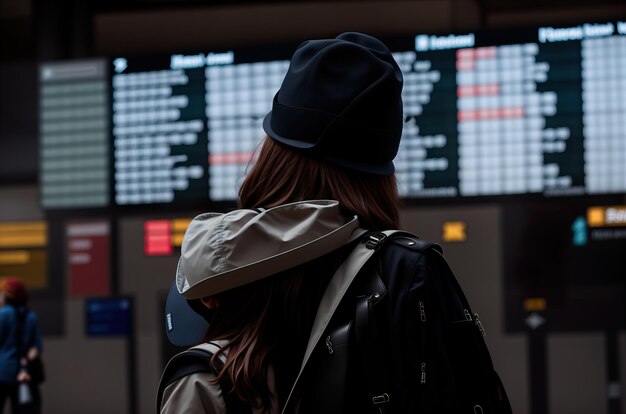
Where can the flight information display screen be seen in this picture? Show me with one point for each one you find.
(494, 113)
(541, 115)
(189, 129)
(74, 134)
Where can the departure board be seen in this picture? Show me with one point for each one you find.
(74, 134)
(536, 111)
(188, 131)
(542, 116)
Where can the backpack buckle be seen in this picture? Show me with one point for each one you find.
(374, 240)
(380, 399)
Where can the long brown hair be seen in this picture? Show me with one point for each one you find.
(270, 320)
(282, 175)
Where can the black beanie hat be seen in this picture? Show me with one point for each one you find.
(341, 101)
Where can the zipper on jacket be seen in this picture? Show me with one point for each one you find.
(422, 311)
(423, 373)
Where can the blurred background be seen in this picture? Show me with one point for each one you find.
(121, 120)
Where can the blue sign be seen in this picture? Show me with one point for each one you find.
(108, 316)
(579, 231)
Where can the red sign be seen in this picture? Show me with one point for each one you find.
(158, 238)
(89, 259)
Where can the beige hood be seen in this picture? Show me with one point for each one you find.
(223, 251)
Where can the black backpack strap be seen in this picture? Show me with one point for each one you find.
(365, 330)
(196, 360)
(365, 334)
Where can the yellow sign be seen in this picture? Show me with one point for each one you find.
(179, 227)
(535, 304)
(24, 234)
(13, 257)
(454, 231)
(606, 216)
(23, 252)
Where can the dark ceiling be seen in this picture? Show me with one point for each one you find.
(19, 18)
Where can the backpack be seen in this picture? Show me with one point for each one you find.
(196, 360)
(396, 334)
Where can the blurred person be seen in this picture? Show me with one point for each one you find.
(20, 348)
(332, 134)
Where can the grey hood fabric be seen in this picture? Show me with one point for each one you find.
(223, 251)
